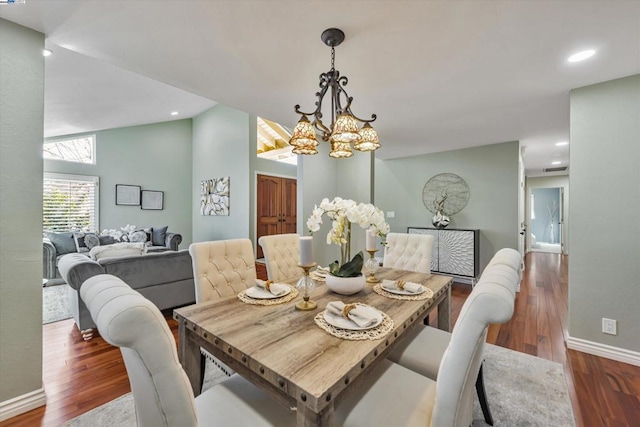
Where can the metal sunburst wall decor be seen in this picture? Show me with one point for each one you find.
(444, 195)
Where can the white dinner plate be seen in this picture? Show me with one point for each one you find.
(403, 292)
(340, 322)
(259, 293)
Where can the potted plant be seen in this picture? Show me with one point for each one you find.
(345, 276)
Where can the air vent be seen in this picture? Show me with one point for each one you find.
(558, 169)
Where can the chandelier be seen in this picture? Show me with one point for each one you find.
(344, 130)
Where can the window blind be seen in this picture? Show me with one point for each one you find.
(70, 202)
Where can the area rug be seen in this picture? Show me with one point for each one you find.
(522, 390)
(55, 303)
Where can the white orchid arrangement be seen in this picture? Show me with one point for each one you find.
(344, 212)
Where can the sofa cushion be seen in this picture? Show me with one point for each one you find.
(150, 269)
(63, 242)
(106, 240)
(158, 235)
(118, 250)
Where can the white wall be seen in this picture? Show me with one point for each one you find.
(491, 172)
(21, 130)
(604, 269)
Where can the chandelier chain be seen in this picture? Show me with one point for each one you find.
(333, 58)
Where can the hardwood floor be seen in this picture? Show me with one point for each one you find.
(79, 376)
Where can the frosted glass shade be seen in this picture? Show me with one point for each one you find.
(303, 134)
(369, 139)
(345, 129)
(340, 150)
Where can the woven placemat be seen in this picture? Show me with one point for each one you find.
(428, 293)
(376, 333)
(275, 301)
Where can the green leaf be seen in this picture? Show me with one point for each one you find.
(352, 268)
(334, 267)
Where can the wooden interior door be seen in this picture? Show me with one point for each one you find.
(276, 207)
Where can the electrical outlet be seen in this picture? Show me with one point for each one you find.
(391, 214)
(609, 326)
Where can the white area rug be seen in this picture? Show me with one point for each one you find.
(522, 390)
(55, 303)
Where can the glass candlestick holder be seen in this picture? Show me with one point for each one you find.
(371, 267)
(305, 286)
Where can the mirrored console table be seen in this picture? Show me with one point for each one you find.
(455, 252)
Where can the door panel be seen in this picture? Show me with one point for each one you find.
(276, 207)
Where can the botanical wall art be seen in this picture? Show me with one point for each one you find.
(214, 196)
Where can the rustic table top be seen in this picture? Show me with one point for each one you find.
(287, 349)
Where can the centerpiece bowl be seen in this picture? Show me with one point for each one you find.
(346, 285)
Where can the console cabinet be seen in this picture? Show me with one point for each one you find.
(455, 251)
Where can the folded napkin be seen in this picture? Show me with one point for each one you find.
(358, 315)
(276, 289)
(321, 271)
(401, 285)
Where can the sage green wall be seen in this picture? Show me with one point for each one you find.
(262, 166)
(491, 172)
(156, 157)
(221, 147)
(560, 181)
(604, 269)
(324, 177)
(21, 130)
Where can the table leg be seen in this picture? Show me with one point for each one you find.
(305, 417)
(444, 312)
(190, 358)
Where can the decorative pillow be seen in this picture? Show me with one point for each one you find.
(91, 240)
(118, 250)
(106, 240)
(159, 233)
(138, 237)
(78, 238)
(63, 242)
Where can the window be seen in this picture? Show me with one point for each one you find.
(79, 150)
(70, 202)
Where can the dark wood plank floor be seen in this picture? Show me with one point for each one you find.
(79, 376)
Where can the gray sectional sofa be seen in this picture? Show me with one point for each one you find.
(56, 245)
(165, 278)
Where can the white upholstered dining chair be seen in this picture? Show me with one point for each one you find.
(394, 395)
(423, 349)
(281, 256)
(221, 268)
(161, 390)
(408, 252)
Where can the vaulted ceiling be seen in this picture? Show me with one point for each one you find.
(440, 75)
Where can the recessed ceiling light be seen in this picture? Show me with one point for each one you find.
(556, 163)
(47, 52)
(174, 113)
(581, 56)
(561, 143)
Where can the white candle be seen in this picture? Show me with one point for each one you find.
(371, 240)
(306, 250)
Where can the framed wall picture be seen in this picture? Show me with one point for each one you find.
(128, 195)
(214, 196)
(152, 200)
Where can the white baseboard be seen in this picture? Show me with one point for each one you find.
(21, 404)
(603, 350)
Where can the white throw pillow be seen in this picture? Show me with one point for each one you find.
(117, 250)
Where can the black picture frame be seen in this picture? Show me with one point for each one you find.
(128, 195)
(152, 200)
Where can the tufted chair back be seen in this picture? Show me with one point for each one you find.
(222, 268)
(281, 255)
(408, 252)
(491, 301)
(509, 257)
(161, 390)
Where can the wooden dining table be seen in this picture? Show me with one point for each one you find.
(284, 352)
